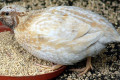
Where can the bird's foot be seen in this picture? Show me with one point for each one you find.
(56, 67)
(85, 69)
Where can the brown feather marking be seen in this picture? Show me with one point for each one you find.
(17, 20)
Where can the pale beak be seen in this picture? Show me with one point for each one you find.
(1, 18)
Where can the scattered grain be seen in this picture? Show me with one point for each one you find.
(15, 61)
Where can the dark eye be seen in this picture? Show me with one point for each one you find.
(7, 13)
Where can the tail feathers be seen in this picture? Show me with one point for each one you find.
(117, 39)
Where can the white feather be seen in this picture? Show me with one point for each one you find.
(64, 34)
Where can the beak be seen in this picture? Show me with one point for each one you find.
(1, 19)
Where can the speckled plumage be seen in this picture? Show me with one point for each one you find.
(64, 34)
(8, 14)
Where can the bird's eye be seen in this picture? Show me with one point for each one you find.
(7, 13)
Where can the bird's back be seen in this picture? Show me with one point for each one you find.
(67, 30)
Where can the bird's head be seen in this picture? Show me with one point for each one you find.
(9, 15)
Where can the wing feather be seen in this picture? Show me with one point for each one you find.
(78, 44)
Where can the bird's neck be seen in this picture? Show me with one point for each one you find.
(20, 19)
